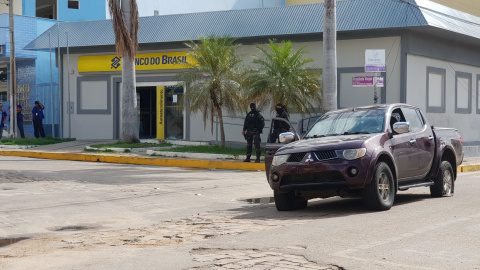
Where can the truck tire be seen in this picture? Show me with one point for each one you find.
(444, 182)
(380, 193)
(288, 201)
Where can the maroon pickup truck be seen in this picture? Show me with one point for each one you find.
(371, 152)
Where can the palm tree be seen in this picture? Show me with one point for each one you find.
(281, 76)
(125, 25)
(212, 79)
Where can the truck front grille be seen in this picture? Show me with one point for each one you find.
(323, 155)
(296, 157)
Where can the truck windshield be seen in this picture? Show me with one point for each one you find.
(351, 122)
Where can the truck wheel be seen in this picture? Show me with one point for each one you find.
(380, 193)
(288, 201)
(444, 182)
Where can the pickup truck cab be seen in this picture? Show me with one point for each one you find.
(371, 152)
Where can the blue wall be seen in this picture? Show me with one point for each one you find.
(29, 7)
(89, 10)
(33, 67)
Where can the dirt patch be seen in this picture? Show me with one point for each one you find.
(252, 259)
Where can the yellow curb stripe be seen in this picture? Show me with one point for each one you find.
(469, 168)
(169, 162)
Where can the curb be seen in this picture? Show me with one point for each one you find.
(469, 168)
(152, 161)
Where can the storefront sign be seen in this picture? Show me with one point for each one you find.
(160, 112)
(367, 81)
(375, 61)
(145, 61)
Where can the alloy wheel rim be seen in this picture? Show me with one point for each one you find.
(447, 183)
(383, 187)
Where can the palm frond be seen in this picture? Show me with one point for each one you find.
(126, 42)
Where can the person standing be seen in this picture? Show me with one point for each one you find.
(20, 120)
(3, 118)
(38, 116)
(252, 128)
(279, 126)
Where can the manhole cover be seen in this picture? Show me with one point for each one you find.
(10, 241)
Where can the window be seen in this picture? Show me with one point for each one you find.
(46, 9)
(413, 119)
(463, 92)
(73, 4)
(435, 90)
(478, 94)
(3, 74)
(3, 93)
(23, 98)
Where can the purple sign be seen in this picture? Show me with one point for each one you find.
(363, 81)
(375, 69)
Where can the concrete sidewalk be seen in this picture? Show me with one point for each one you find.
(74, 150)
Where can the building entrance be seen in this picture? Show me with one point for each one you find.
(173, 113)
(160, 112)
(146, 102)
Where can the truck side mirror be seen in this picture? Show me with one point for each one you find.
(286, 137)
(401, 127)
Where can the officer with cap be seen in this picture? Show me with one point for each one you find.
(252, 128)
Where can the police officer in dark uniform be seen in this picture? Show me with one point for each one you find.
(252, 128)
(279, 126)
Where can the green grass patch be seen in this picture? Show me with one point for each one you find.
(211, 149)
(29, 141)
(121, 144)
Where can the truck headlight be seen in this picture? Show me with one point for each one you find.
(279, 160)
(350, 154)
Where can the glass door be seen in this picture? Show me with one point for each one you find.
(173, 113)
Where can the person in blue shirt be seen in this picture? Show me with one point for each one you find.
(3, 118)
(38, 116)
(19, 119)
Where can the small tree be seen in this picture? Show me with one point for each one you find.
(212, 80)
(281, 76)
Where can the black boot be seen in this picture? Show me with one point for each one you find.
(257, 160)
(247, 159)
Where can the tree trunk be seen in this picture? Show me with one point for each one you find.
(222, 130)
(329, 99)
(130, 122)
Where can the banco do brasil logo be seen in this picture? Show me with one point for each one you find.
(115, 62)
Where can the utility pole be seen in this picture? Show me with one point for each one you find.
(13, 73)
(330, 57)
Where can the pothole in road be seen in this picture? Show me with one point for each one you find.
(73, 228)
(253, 259)
(10, 241)
(174, 232)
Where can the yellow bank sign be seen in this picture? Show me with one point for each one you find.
(145, 61)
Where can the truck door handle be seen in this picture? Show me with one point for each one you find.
(412, 141)
(430, 137)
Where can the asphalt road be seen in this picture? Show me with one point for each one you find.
(81, 215)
